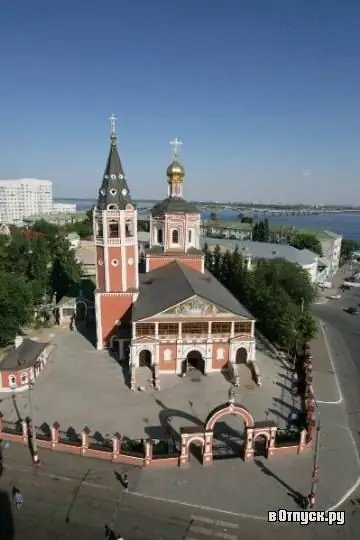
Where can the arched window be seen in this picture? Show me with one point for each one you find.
(112, 207)
(167, 355)
(24, 378)
(175, 236)
(129, 229)
(190, 235)
(12, 381)
(160, 236)
(220, 354)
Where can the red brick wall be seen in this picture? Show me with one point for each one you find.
(115, 272)
(220, 364)
(113, 308)
(167, 365)
(100, 268)
(17, 374)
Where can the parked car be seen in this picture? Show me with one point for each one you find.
(335, 296)
(352, 310)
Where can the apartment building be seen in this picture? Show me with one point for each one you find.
(24, 197)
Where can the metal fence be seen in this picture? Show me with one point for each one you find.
(43, 433)
(100, 443)
(134, 448)
(12, 427)
(228, 447)
(69, 437)
(165, 448)
(287, 438)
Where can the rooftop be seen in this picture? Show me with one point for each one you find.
(23, 356)
(176, 282)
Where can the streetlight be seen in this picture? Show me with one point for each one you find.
(315, 470)
(34, 452)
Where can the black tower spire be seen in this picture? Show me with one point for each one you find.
(114, 192)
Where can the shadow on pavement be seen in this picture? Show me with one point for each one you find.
(295, 495)
(7, 528)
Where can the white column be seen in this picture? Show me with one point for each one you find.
(180, 331)
(232, 330)
(99, 336)
(156, 330)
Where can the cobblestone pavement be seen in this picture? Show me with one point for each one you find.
(93, 381)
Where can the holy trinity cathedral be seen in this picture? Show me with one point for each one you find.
(175, 315)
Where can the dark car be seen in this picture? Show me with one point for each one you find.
(353, 310)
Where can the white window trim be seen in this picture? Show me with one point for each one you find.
(171, 236)
(114, 262)
(167, 355)
(220, 354)
(12, 380)
(24, 378)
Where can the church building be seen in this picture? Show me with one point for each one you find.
(173, 315)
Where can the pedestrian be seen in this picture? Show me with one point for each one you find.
(126, 482)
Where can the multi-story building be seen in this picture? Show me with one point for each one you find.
(175, 315)
(63, 208)
(331, 251)
(24, 197)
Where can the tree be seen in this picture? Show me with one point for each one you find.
(217, 261)
(293, 279)
(348, 247)
(261, 231)
(307, 241)
(208, 257)
(16, 305)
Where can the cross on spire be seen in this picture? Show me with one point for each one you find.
(113, 121)
(175, 144)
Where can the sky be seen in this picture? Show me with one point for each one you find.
(264, 95)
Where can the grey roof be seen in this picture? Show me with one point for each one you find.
(114, 189)
(257, 250)
(174, 205)
(23, 356)
(175, 282)
(265, 250)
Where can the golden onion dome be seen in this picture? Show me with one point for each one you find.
(175, 170)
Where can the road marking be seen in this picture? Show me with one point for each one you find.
(357, 483)
(333, 367)
(58, 477)
(200, 507)
(214, 534)
(216, 522)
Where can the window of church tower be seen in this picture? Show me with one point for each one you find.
(112, 207)
(175, 236)
(99, 228)
(114, 231)
(129, 228)
(160, 236)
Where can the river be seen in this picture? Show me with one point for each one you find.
(347, 224)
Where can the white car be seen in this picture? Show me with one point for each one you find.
(335, 296)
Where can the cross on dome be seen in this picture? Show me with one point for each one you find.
(175, 144)
(113, 121)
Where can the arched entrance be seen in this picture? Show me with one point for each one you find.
(196, 449)
(261, 445)
(145, 358)
(194, 362)
(241, 356)
(229, 435)
(80, 311)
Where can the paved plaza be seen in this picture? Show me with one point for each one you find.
(83, 387)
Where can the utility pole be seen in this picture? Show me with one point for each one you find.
(315, 470)
(35, 455)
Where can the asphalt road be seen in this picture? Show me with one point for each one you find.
(65, 507)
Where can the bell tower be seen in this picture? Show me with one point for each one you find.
(116, 248)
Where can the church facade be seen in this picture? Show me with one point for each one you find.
(175, 315)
